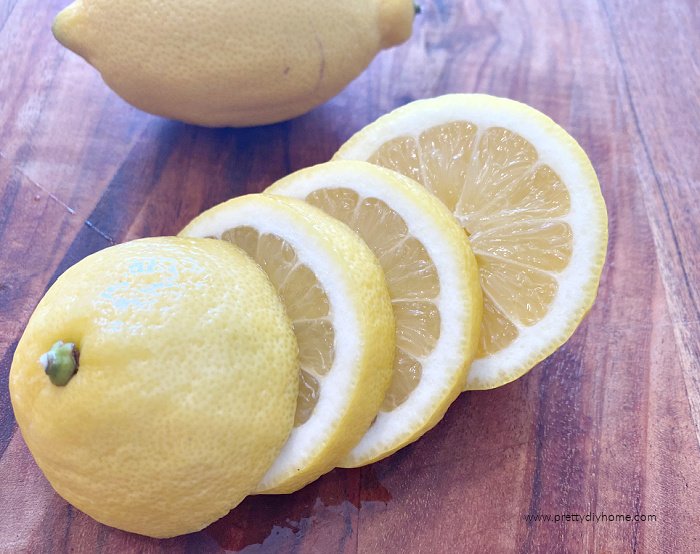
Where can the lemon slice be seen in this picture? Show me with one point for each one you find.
(335, 294)
(527, 196)
(434, 286)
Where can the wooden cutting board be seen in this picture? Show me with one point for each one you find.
(608, 425)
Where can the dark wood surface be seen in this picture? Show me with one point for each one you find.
(609, 423)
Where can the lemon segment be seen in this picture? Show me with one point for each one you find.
(185, 387)
(336, 296)
(527, 196)
(434, 287)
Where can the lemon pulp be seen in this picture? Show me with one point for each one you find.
(508, 202)
(411, 277)
(307, 307)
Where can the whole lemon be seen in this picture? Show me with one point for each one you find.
(156, 382)
(222, 63)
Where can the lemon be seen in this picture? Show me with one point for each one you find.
(434, 285)
(335, 295)
(222, 63)
(185, 388)
(529, 199)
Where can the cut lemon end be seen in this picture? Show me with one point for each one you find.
(433, 282)
(335, 295)
(527, 196)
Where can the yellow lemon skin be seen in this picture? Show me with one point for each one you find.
(185, 389)
(219, 63)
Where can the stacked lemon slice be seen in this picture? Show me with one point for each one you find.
(527, 196)
(450, 245)
(432, 278)
(336, 297)
(471, 255)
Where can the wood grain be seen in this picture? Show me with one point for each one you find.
(609, 423)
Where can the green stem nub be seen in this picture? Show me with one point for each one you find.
(416, 8)
(60, 363)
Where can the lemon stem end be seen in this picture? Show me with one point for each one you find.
(60, 363)
(416, 8)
